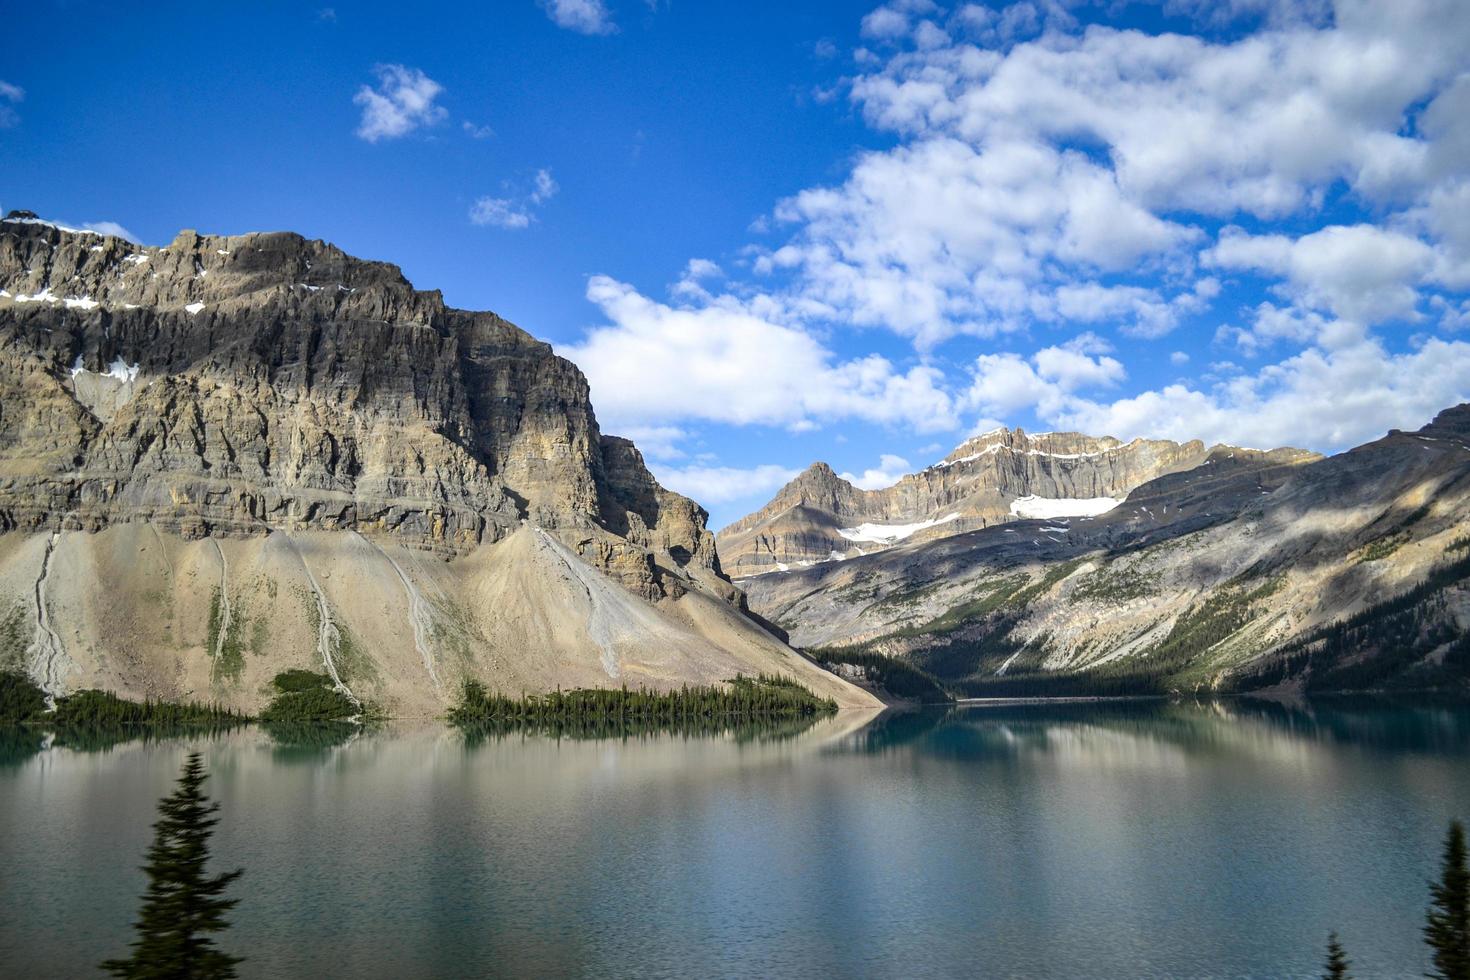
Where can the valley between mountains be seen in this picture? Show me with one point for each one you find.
(238, 455)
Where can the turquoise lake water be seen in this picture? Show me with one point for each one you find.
(1105, 840)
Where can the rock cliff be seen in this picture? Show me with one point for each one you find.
(258, 392)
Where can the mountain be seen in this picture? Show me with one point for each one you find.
(1248, 571)
(998, 477)
(236, 455)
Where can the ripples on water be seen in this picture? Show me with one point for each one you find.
(1083, 840)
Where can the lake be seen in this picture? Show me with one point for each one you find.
(1097, 840)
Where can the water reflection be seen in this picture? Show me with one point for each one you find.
(1077, 840)
(971, 730)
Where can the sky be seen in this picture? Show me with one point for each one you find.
(848, 232)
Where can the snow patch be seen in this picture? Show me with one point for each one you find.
(51, 224)
(1048, 508)
(81, 303)
(889, 533)
(194, 308)
(119, 369)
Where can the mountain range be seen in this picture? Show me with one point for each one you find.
(237, 455)
(1000, 476)
(1065, 565)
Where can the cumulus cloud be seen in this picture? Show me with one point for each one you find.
(1318, 398)
(1073, 176)
(1361, 272)
(941, 237)
(1271, 324)
(1047, 383)
(890, 470)
(582, 16)
(723, 484)
(1192, 124)
(1307, 168)
(722, 361)
(402, 101)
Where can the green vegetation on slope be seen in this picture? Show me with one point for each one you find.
(21, 701)
(1408, 641)
(306, 696)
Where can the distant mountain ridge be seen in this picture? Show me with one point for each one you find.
(996, 477)
(1251, 571)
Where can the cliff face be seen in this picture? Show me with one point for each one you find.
(247, 386)
(976, 486)
(236, 385)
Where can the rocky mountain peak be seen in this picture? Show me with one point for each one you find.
(238, 384)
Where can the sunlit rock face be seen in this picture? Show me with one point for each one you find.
(268, 419)
(996, 477)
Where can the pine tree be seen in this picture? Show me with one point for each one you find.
(1447, 926)
(181, 907)
(1337, 961)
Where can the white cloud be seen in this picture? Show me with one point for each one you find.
(722, 361)
(1360, 272)
(1195, 125)
(475, 132)
(656, 441)
(1047, 177)
(1319, 399)
(1005, 383)
(543, 188)
(582, 16)
(402, 102)
(500, 212)
(1271, 324)
(516, 212)
(939, 237)
(889, 471)
(1073, 369)
(112, 228)
(10, 94)
(723, 484)
(895, 19)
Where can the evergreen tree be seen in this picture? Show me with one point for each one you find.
(1337, 961)
(1447, 929)
(182, 906)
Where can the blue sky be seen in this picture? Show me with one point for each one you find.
(851, 232)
